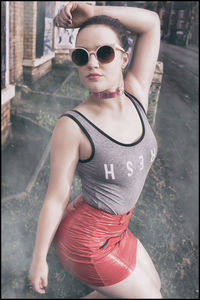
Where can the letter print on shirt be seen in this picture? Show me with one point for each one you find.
(129, 164)
(141, 158)
(109, 172)
(153, 154)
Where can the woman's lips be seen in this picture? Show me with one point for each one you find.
(94, 76)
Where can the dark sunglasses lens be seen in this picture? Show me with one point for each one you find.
(105, 54)
(80, 57)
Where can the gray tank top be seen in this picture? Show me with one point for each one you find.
(114, 175)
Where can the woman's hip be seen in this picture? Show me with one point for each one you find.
(89, 232)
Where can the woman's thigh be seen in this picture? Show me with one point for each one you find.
(143, 282)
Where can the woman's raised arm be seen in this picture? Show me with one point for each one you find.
(146, 24)
(143, 22)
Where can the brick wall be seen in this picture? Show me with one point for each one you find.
(33, 74)
(16, 32)
(8, 91)
(5, 122)
(18, 38)
(30, 11)
(33, 67)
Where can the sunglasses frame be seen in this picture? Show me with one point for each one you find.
(89, 53)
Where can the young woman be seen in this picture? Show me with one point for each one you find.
(110, 142)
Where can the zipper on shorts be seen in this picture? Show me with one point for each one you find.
(112, 237)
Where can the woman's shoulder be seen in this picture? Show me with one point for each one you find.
(66, 128)
(88, 108)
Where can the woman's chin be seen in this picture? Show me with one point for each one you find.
(95, 89)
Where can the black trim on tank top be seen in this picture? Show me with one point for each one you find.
(88, 136)
(109, 137)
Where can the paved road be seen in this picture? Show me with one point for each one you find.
(181, 70)
(177, 128)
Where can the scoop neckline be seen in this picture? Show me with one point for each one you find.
(108, 136)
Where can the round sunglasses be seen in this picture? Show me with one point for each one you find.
(105, 54)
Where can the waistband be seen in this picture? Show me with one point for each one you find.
(80, 203)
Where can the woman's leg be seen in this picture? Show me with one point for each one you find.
(144, 281)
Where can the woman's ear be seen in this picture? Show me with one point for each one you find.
(125, 60)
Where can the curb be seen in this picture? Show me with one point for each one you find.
(194, 49)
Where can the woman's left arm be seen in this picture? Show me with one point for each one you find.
(146, 24)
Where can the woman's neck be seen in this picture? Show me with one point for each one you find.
(113, 99)
(113, 104)
(108, 95)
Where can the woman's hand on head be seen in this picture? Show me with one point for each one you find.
(74, 14)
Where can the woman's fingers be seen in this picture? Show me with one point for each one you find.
(73, 15)
(61, 19)
(67, 11)
(57, 22)
(38, 288)
(44, 282)
(40, 285)
(64, 17)
(38, 276)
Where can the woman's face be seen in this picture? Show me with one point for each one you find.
(110, 74)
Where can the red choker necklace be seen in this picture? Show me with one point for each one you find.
(107, 95)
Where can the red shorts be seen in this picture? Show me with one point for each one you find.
(95, 246)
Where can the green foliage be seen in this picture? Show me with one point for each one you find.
(73, 90)
(46, 120)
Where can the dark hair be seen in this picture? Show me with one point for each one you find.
(114, 24)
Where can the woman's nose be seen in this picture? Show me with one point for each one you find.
(93, 61)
